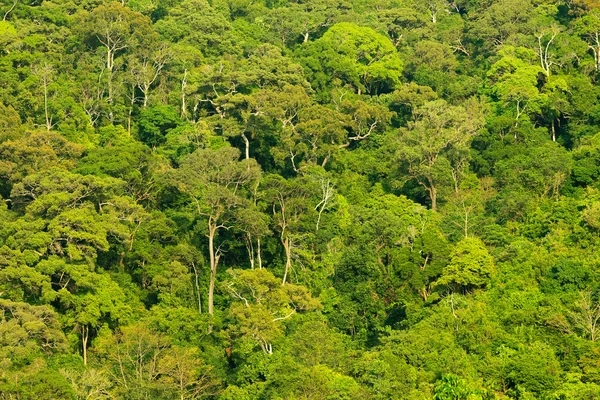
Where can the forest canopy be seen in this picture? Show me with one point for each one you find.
(300, 199)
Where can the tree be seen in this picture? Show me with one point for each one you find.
(355, 56)
(89, 300)
(427, 144)
(515, 82)
(115, 28)
(147, 67)
(36, 152)
(28, 332)
(588, 28)
(586, 315)
(471, 266)
(182, 368)
(215, 182)
(262, 303)
(196, 23)
(45, 74)
(132, 355)
(451, 387)
(289, 201)
(155, 123)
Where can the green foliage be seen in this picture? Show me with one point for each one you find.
(451, 387)
(355, 56)
(325, 199)
(155, 123)
(471, 266)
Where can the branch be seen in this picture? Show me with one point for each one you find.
(10, 10)
(239, 296)
(286, 317)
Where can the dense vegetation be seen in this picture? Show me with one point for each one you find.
(300, 199)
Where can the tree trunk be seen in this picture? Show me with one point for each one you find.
(145, 91)
(247, 143)
(212, 230)
(432, 195)
(48, 122)
(183, 86)
(109, 99)
(85, 333)
(424, 293)
(250, 250)
(258, 257)
(288, 258)
(131, 104)
(197, 284)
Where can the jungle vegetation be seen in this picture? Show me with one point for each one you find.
(300, 199)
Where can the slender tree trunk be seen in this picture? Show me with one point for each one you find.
(109, 99)
(109, 66)
(258, 257)
(288, 258)
(197, 284)
(247, 143)
(46, 113)
(212, 230)
(597, 53)
(85, 333)
(132, 102)
(250, 250)
(466, 230)
(183, 86)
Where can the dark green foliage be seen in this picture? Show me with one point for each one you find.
(155, 123)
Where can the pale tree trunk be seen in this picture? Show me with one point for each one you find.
(109, 67)
(44, 73)
(197, 285)
(288, 257)
(466, 220)
(214, 259)
(597, 52)
(85, 334)
(46, 113)
(145, 91)
(544, 51)
(109, 99)
(258, 256)
(326, 195)
(247, 143)
(131, 104)
(425, 292)
(109, 82)
(250, 250)
(183, 86)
